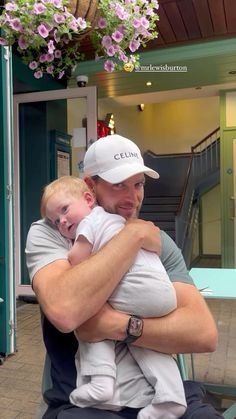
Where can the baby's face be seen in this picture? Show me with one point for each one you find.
(66, 211)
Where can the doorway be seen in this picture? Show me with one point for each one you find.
(37, 118)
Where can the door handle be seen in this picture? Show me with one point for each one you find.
(1, 300)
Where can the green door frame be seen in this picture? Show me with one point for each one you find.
(7, 264)
(227, 137)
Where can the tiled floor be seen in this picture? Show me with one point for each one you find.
(20, 375)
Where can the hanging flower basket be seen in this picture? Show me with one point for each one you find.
(88, 10)
(47, 33)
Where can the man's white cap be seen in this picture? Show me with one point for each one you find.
(115, 159)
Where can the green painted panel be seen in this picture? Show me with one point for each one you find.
(4, 216)
(206, 64)
(227, 189)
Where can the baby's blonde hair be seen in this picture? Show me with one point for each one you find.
(68, 184)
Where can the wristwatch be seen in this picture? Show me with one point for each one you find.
(134, 329)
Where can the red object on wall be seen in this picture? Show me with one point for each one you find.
(102, 129)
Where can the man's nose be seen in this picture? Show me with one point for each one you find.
(132, 193)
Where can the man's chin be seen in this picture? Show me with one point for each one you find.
(128, 213)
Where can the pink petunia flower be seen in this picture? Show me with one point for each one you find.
(74, 25)
(109, 66)
(50, 69)
(82, 23)
(39, 8)
(111, 51)
(123, 57)
(57, 53)
(144, 22)
(51, 47)
(23, 43)
(102, 23)
(43, 31)
(11, 7)
(49, 57)
(16, 25)
(56, 3)
(59, 18)
(134, 45)
(3, 41)
(136, 23)
(117, 36)
(38, 74)
(42, 58)
(106, 41)
(33, 65)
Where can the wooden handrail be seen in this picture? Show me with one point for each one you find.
(190, 166)
(204, 139)
(185, 185)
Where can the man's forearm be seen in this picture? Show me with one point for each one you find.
(189, 328)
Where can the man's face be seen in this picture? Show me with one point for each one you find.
(124, 198)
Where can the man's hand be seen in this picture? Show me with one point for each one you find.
(106, 324)
(149, 233)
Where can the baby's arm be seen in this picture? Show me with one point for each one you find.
(80, 250)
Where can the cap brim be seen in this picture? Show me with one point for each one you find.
(119, 174)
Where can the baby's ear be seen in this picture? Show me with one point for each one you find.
(90, 198)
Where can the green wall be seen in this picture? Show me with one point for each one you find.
(228, 134)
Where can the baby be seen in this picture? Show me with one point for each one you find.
(145, 291)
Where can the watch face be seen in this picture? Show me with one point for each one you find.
(135, 326)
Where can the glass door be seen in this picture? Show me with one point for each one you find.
(45, 123)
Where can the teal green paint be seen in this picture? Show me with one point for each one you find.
(25, 76)
(177, 54)
(227, 187)
(4, 216)
(206, 63)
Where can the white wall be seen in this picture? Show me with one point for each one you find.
(76, 112)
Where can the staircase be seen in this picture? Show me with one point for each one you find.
(163, 196)
(172, 202)
(161, 210)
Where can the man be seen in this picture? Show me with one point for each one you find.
(75, 297)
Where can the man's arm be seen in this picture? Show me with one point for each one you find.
(189, 328)
(71, 295)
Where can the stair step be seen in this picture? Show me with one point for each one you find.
(165, 225)
(165, 216)
(160, 208)
(148, 200)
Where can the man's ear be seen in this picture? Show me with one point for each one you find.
(89, 181)
(89, 196)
